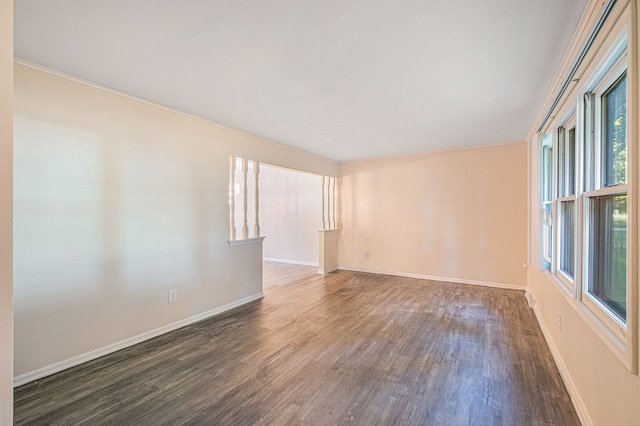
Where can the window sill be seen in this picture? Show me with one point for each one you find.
(609, 337)
(562, 285)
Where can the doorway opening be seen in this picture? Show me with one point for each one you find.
(290, 218)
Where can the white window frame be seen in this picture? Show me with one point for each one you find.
(604, 314)
(618, 333)
(562, 133)
(547, 219)
(618, 67)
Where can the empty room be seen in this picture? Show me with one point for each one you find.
(284, 212)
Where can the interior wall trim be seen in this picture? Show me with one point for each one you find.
(105, 350)
(437, 278)
(292, 262)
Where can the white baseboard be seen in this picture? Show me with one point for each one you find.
(327, 271)
(530, 300)
(293, 262)
(437, 278)
(105, 350)
(578, 403)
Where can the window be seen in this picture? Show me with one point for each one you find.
(566, 161)
(567, 237)
(566, 203)
(607, 252)
(614, 119)
(584, 193)
(606, 212)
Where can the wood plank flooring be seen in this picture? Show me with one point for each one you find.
(345, 348)
(278, 273)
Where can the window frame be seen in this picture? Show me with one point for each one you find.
(547, 194)
(618, 69)
(595, 170)
(562, 137)
(593, 303)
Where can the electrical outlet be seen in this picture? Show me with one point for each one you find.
(366, 254)
(173, 295)
(559, 321)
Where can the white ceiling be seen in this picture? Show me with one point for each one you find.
(344, 79)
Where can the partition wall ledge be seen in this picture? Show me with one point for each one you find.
(257, 240)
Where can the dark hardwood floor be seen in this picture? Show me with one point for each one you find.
(344, 348)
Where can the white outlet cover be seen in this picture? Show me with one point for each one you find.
(559, 321)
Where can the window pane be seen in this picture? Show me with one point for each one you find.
(567, 231)
(547, 156)
(608, 252)
(547, 235)
(589, 143)
(566, 162)
(562, 163)
(571, 162)
(614, 150)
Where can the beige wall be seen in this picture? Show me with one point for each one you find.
(290, 214)
(117, 202)
(603, 390)
(6, 179)
(459, 215)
